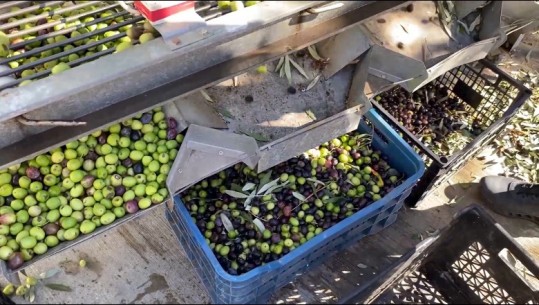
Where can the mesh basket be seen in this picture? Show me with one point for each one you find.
(473, 261)
(490, 98)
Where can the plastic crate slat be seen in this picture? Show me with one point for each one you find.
(259, 284)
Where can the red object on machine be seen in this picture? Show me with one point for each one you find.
(155, 11)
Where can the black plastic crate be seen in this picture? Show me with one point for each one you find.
(489, 96)
(472, 261)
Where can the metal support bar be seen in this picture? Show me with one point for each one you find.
(180, 75)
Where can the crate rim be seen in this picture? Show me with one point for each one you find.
(310, 244)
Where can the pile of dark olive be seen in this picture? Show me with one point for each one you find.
(430, 113)
(311, 193)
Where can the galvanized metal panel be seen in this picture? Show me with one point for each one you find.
(206, 151)
(309, 137)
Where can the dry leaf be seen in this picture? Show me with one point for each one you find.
(314, 53)
(287, 70)
(313, 82)
(298, 67)
(279, 64)
(206, 96)
(310, 114)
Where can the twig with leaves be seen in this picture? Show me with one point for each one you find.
(27, 290)
(284, 68)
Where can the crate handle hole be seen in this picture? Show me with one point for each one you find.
(531, 280)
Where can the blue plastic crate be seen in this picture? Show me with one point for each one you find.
(257, 285)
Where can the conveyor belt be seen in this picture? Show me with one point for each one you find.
(44, 33)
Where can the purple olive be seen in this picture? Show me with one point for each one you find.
(146, 118)
(87, 181)
(119, 190)
(92, 155)
(127, 162)
(125, 131)
(171, 134)
(15, 260)
(131, 206)
(51, 228)
(102, 139)
(135, 135)
(172, 123)
(32, 172)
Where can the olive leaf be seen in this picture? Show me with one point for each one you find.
(257, 136)
(30, 295)
(334, 199)
(248, 186)
(235, 194)
(313, 52)
(235, 187)
(275, 188)
(298, 67)
(287, 70)
(299, 196)
(316, 181)
(226, 222)
(206, 96)
(250, 198)
(260, 226)
(313, 82)
(280, 64)
(60, 287)
(266, 186)
(246, 216)
(226, 113)
(49, 273)
(265, 178)
(310, 114)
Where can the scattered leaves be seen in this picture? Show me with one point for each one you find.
(257, 136)
(265, 178)
(235, 194)
(206, 96)
(313, 83)
(226, 222)
(248, 186)
(60, 287)
(298, 67)
(267, 186)
(299, 196)
(314, 53)
(310, 114)
(287, 70)
(49, 273)
(259, 225)
(225, 113)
